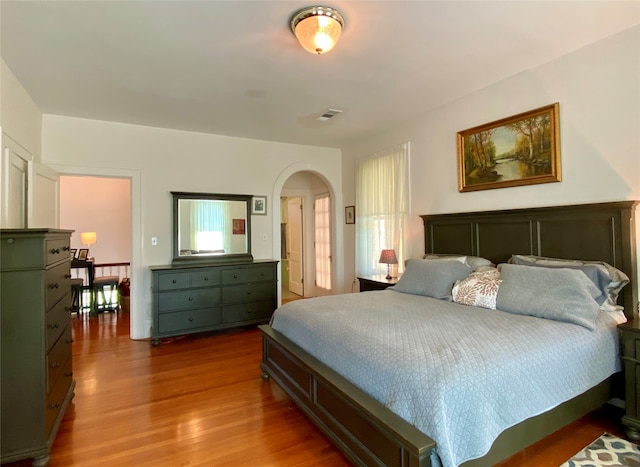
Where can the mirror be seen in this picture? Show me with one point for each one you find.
(211, 228)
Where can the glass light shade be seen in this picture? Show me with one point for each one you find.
(317, 28)
(88, 238)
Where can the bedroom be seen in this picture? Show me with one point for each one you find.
(596, 86)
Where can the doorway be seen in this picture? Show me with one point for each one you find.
(302, 275)
(100, 206)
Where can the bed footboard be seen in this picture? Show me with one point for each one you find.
(362, 428)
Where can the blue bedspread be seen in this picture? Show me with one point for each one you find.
(459, 374)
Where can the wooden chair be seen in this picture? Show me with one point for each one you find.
(102, 286)
(77, 287)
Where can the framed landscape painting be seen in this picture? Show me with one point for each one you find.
(520, 150)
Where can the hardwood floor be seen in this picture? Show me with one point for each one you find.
(200, 401)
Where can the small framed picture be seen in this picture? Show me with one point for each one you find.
(73, 252)
(83, 253)
(238, 226)
(350, 214)
(259, 205)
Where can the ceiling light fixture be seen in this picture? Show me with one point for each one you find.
(317, 28)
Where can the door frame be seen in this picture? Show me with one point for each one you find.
(138, 317)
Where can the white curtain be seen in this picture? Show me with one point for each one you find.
(211, 225)
(382, 208)
(322, 209)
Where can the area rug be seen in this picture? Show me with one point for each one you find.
(607, 450)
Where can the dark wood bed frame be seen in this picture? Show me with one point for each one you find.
(370, 434)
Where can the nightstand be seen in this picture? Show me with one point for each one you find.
(368, 283)
(631, 361)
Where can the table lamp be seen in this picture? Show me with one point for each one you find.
(88, 238)
(388, 257)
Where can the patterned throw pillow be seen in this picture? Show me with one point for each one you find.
(480, 288)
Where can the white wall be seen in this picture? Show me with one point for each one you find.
(101, 205)
(598, 88)
(160, 161)
(20, 117)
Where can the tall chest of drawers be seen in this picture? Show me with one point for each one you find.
(35, 321)
(192, 299)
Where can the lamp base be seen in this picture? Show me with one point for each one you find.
(388, 277)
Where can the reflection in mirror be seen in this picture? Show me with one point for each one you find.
(211, 228)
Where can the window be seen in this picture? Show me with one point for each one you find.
(322, 243)
(382, 208)
(213, 219)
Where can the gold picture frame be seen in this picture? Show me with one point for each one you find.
(520, 150)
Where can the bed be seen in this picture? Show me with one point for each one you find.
(370, 433)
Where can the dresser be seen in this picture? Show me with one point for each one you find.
(35, 321)
(191, 299)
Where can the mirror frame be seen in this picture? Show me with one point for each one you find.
(214, 258)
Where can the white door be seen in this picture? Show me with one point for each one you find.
(294, 245)
(15, 160)
(43, 196)
(322, 242)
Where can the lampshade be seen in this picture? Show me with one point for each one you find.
(317, 28)
(88, 238)
(388, 257)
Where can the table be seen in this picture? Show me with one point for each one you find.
(89, 265)
(376, 282)
(631, 359)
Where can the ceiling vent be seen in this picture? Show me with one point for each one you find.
(328, 114)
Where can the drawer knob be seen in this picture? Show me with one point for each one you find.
(69, 341)
(53, 286)
(66, 248)
(69, 374)
(55, 251)
(174, 281)
(67, 276)
(55, 405)
(190, 299)
(55, 365)
(206, 278)
(190, 319)
(54, 326)
(235, 276)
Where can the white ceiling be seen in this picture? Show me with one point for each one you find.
(234, 68)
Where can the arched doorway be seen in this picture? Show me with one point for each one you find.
(309, 185)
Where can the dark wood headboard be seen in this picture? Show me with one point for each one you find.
(601, 232)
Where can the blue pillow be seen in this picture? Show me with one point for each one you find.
(554, 293)
(432, 277)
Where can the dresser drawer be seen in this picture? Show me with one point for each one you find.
(57, 282)
(248, 292)
(248, 312)
(56, 320)
(56, 397)
(205, 278)
(57, 249)
(176, 280)
(188, 299)
(180, 321)
(31, 250)
(235, 275)
(58, 357)
(262, 273)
